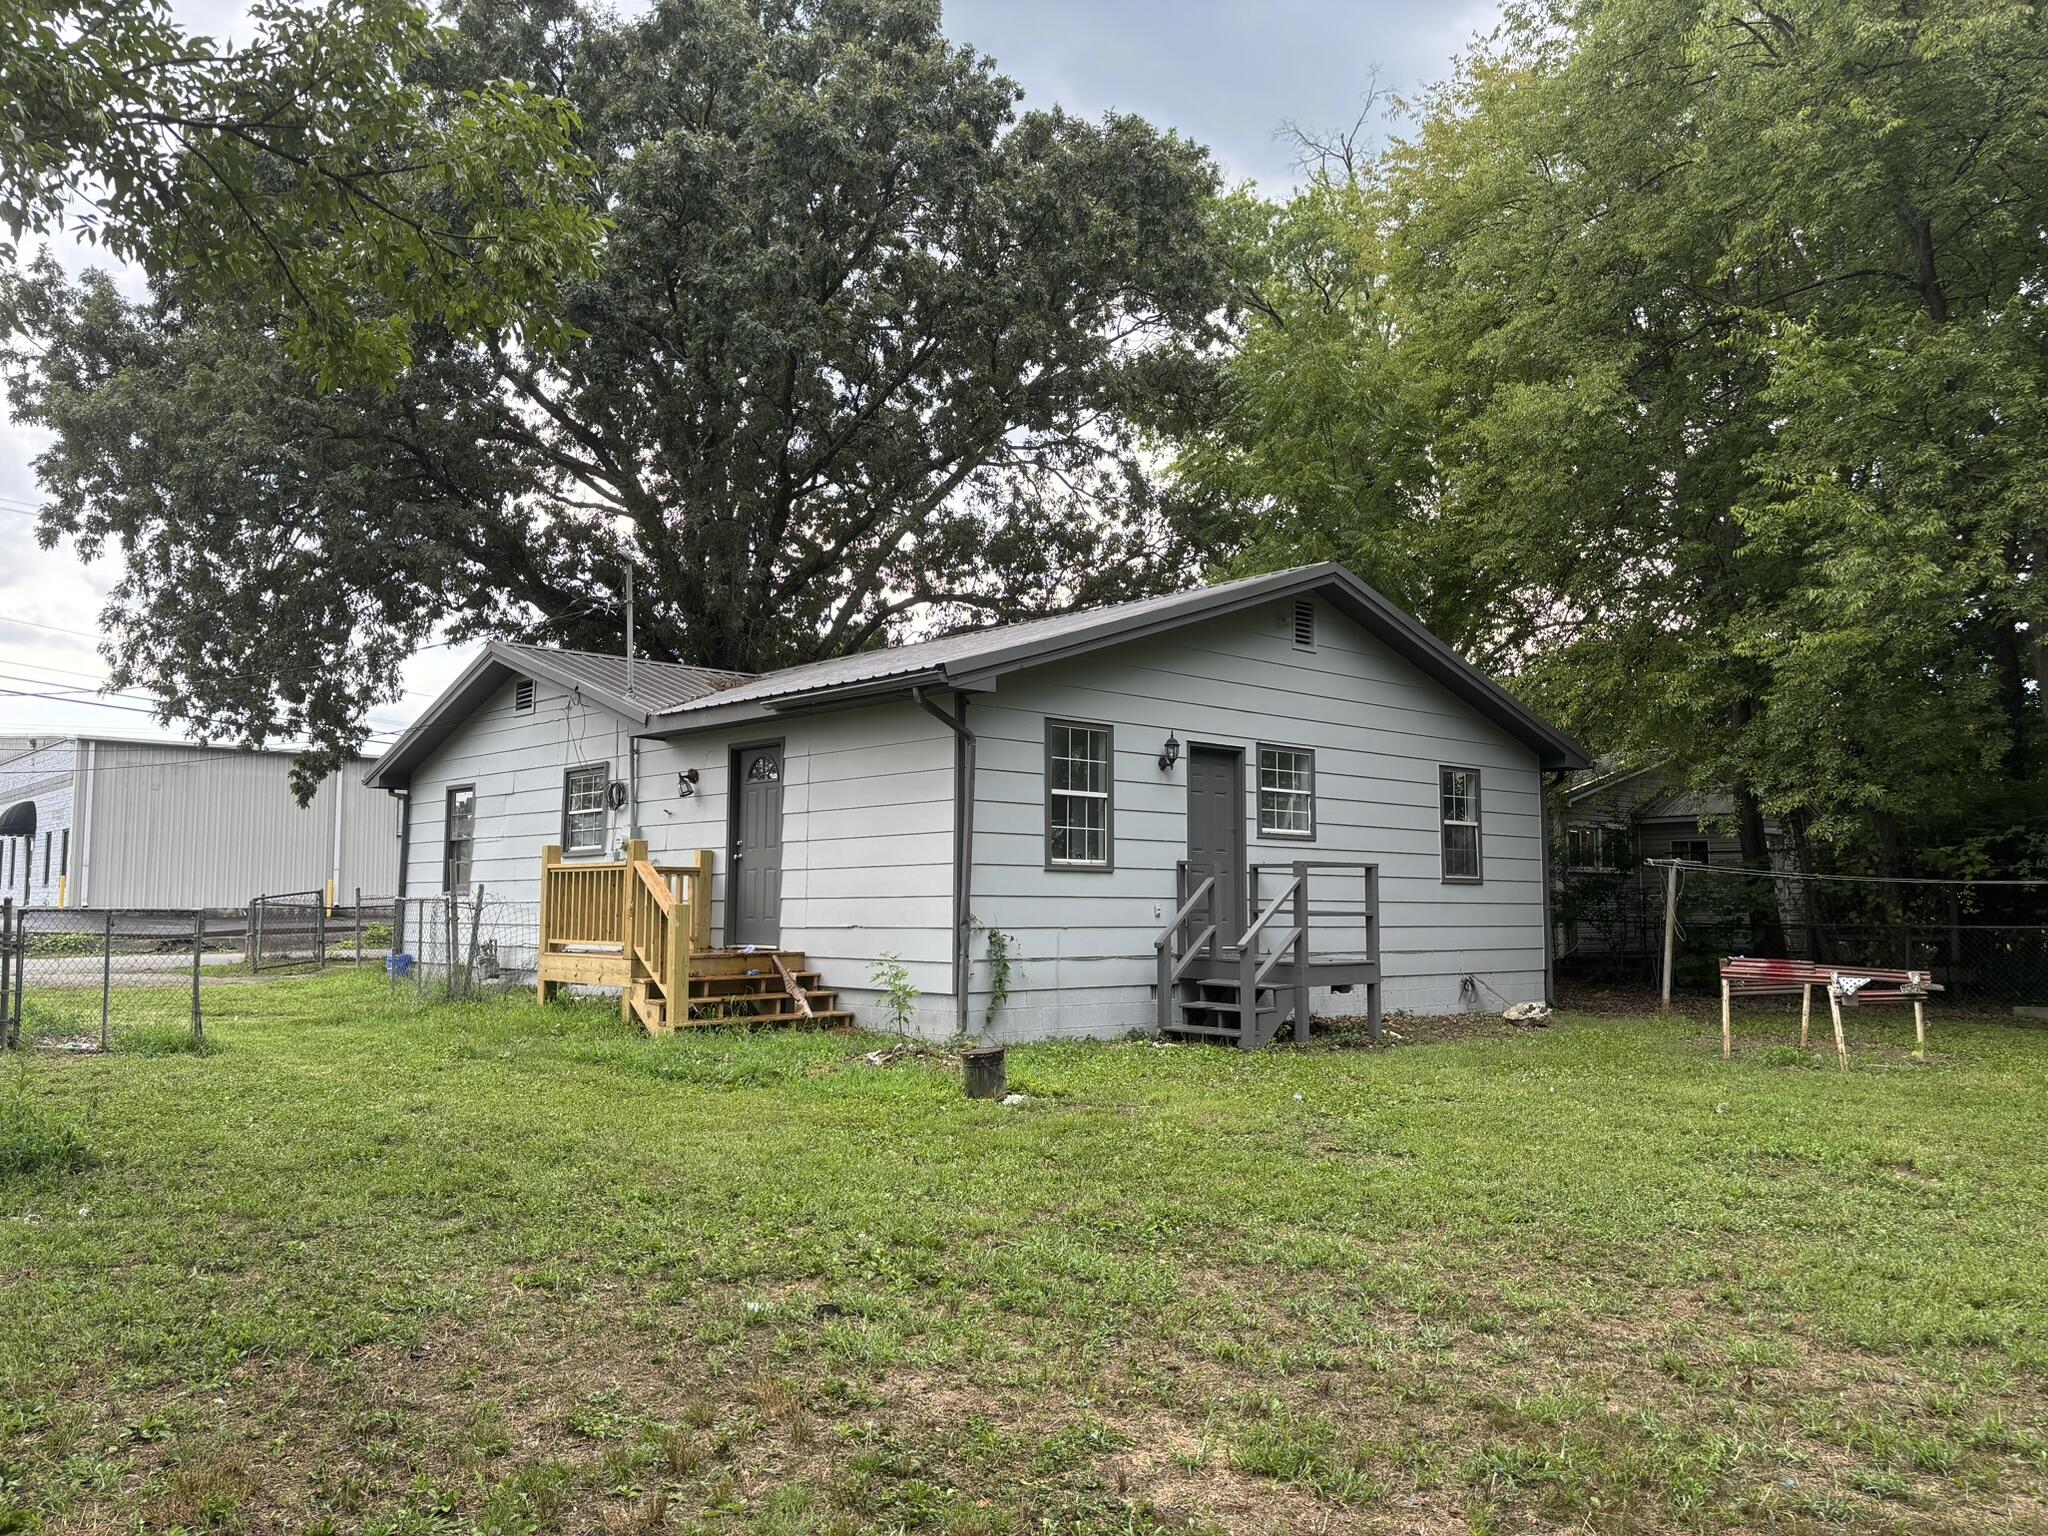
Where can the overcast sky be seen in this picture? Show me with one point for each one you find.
(1226, 73)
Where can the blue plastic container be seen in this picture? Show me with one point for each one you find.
(398, 965)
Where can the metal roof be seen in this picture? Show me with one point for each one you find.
(670, 700)
(974, 658)
(657, 686)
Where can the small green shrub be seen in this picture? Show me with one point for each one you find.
(1786, 1056)
(377, 936)
(46, 945)
(33, 1141)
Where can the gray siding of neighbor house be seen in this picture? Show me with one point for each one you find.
(188, 826)
(866, 839)
(47, 776)
(1083, 939)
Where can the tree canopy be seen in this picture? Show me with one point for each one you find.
(321, 166)
(1700, 357)
(864, 340)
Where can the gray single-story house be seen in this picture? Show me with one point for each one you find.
(1165, 787)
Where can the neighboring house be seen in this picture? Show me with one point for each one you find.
(106, 821)
(1612, 820)
(1049, 780)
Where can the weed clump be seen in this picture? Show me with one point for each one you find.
(35, 1142)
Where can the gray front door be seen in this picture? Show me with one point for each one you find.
(754, 861)
(1216, 834)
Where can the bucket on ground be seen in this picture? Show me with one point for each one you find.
(986, 1076)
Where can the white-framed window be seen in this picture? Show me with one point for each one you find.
(1595, 847)
(1287, 792)
(583, 808)
(1458, 808)
(458, 844)
(1694, 850)
(1079, 807)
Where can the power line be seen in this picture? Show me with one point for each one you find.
(55, 629)
(69, 694)
(194, 754)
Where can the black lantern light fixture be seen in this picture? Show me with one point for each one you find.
(686, 783)
(1171, 754)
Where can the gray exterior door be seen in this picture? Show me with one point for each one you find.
(754, 859)
(1216, 834)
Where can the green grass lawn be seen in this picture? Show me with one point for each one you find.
(366, 1266)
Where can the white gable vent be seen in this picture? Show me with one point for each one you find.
(1304, 624)
(522, 696)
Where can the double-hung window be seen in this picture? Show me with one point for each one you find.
(583, 808)
(1287, 792)
(458, 845)
(1458, 797)
(1078, 807)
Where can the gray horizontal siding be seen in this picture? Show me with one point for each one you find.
(867, 821)
(1083, 939)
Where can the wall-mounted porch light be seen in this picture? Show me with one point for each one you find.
(686, 783)
(1171, 754)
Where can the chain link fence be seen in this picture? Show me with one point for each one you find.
(300, 930)
(76, 978)
(1984, 941)
(465, 944)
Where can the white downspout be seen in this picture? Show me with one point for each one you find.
(84, 820)
(334, 875)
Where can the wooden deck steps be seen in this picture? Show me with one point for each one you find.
(748, 987)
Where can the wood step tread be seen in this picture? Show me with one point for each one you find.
(726, 999)
(816, 1016)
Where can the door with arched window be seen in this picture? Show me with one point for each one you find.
(753, 862)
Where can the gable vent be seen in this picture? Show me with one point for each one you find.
(522, 696)
(1304, 624)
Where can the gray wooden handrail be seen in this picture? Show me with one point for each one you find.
(1272, 911)
(1208, 884)
(1292, 937)
(1171, 966)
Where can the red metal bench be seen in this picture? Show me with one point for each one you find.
(1847, 986)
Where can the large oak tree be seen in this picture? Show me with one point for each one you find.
(865, 342)
(320, 164)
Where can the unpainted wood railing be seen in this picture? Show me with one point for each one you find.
(635, 919)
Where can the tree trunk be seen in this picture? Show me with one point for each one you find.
(1756, 854)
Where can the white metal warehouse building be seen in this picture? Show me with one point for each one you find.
(107, 821)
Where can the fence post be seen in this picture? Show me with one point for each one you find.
(320, 934)
(251, 933)
(198, 945)
(476, 919)
(107, 983)
(419, 961)
(10, 1009)
(6, 972)
(358, 909)
(1670, 926)
(453, 940)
